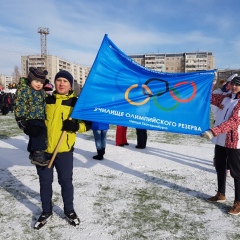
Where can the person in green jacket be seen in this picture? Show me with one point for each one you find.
(29, 110)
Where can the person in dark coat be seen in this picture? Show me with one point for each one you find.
(5, 104)
(141, 138)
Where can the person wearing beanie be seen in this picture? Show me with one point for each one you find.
(59, 106)
(48, 87)
(231, 77)
(226, 136)
(66, 75)
(235, 81)
(37, 75)
(29, 112)
(226, 87)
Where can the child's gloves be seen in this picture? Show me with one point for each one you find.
(21, 122)
(70, 125)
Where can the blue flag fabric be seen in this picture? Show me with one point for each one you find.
(120, 91)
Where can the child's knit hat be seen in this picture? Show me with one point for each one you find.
(36, 74)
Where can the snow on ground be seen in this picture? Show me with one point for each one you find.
(155, 193)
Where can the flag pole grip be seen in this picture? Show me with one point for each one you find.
(57, 148)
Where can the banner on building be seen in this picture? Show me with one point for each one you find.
(120, 91)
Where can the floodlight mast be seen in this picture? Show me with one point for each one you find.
(43, 34)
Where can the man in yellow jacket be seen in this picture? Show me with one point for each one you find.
(59, 106)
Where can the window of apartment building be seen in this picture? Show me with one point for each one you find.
(201, 56)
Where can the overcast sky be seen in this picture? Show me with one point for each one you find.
(77, 28)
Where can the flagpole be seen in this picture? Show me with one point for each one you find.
(57, 148)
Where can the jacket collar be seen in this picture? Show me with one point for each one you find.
(60, 96)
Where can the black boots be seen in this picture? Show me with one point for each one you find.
(100, 154)
(103, 151)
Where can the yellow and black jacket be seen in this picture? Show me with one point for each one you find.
(58, 109)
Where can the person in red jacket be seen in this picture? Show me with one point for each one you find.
(226, 136)
(121, 136)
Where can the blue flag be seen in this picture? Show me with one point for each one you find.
(120, 91)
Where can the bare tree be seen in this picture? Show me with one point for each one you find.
(76, 88)
(1, 82)
(16, 75)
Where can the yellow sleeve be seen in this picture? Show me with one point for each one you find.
(82, 127)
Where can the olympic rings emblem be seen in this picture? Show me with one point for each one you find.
(173, 92)
(137, 103)
(188, 99)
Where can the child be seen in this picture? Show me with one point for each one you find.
(29, 110)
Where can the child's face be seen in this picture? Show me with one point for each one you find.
(235, 88)
(36, 85)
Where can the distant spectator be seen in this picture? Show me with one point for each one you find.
(141, 138)
(121, 136)
(5, 103)
(100, 136)
(48, 87)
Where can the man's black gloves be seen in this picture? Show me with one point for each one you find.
(21, 122)
(70, 125)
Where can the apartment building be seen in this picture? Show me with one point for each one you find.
(176, 62)
(5, 81)
(225, 74)
(53, 65)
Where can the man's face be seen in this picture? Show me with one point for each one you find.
(62, 86)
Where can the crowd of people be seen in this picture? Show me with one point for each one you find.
(45, 118)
